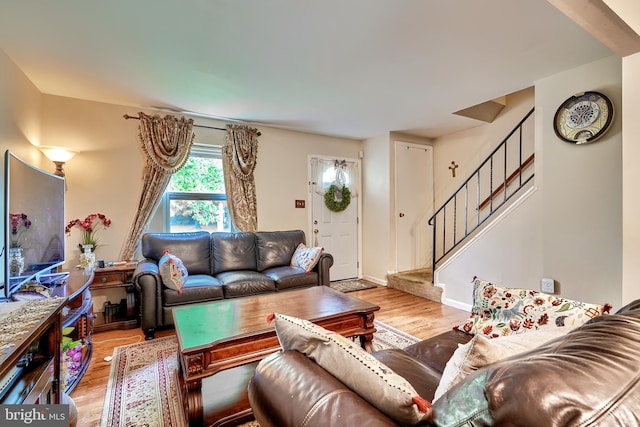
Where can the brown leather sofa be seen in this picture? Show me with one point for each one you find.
(590, 376)
(220, 265)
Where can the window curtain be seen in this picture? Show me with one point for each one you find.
(166, 143)
(239, 158)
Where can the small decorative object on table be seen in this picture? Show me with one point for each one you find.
(88, 226)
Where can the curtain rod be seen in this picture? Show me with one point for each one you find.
(127, 117)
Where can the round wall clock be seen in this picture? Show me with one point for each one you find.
(583, 118)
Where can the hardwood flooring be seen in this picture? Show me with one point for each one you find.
(414, 315)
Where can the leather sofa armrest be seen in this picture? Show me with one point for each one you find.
(288, 389)
(148, 283)
(322, 267)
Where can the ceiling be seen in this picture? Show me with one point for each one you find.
(347, 68)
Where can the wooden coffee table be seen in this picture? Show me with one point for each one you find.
(230, 334)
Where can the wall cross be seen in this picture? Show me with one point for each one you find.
(453, 168)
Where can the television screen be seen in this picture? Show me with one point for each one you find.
(34, 218)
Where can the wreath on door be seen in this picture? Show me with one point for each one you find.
(337, 199)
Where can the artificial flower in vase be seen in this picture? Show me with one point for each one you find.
(20, 224)
(89, 227)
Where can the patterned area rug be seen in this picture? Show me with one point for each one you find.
(351, 285)
(143, 389)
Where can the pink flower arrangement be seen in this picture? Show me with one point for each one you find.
(88, 226)
(17, 228)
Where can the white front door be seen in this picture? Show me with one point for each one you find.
(336, 232)
(414, 205)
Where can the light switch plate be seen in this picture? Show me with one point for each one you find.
(548, 285)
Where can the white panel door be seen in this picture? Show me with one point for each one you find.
(414, 205)
(336, 232)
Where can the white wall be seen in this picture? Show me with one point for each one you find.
(106, 176)
(582, 190)
(631, 178)
(376, 219)
(570, 229)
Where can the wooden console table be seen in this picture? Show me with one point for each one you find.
(232, 334)
(121, 316)
(78, 314)
(32, 364)
(30, 351)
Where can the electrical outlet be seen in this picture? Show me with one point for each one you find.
(548, 285)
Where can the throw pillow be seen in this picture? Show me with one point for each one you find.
(306, 257)
(499, 311)
(172, 271)
(357, 369)
(482, 351)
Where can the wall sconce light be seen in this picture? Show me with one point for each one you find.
(59, 156)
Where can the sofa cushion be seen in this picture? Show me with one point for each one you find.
(357, 369)
(499, 311)
(275, 248)
(193, 248)
(243, 283)
(482, 351)
(197, 288)
(586, 378)
(306, 257)
(436, 351)
(233, 251)
(172, 271)
(291, 277)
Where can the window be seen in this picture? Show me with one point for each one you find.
(195, 198)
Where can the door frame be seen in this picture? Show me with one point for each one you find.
(396, 144)
(310, 188)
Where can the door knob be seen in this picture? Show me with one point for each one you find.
(401, 215)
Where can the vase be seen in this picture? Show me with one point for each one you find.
(16, 261)
(87, 258)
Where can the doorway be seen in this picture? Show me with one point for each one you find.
(414, 205)
(336, 229)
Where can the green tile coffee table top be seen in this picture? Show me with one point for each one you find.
(203, 324)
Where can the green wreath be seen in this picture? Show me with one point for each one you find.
(331, 202)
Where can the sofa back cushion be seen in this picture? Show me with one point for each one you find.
(233, 251)
(275, 248)
(193, 249)
(588, 377)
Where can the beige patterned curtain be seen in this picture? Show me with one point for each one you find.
(166, 143)
(239, 157)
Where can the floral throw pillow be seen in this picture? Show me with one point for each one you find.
(357, 369)
(499, 311)
(306, 257)
(172, 271)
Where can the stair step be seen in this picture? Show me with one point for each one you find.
(416, 282)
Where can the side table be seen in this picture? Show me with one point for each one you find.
(115, 283)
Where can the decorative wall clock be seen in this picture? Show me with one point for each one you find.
(583, 117)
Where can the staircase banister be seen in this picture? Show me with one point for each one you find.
(495, 150)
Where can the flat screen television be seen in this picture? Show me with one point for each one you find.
(34, 223)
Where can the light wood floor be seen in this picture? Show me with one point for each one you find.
(415, 315)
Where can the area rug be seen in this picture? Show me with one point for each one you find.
(143, 389)
(351, 285)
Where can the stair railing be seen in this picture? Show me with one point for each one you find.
(492, 185)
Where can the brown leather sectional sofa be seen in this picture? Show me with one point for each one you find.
(220, 265)
(590, 376)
